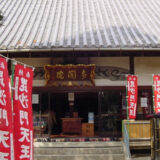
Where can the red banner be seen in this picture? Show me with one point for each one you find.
(156, 90)
(6, 130)
(132, 96)
(23, 126)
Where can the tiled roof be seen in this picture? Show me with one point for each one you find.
(79, 24)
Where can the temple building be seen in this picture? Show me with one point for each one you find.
(82, 51)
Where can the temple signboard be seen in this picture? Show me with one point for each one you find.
(70, 75)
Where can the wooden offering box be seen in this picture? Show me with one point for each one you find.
(71, 125)
(88, 129)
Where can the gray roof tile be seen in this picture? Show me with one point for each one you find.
(40, 24)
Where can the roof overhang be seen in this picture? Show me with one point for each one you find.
(78, 49)
(82, 52)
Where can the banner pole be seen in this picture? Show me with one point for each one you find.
(127, 105)
(127, 97)
(153, 92)
(12, 87)
(12, 78)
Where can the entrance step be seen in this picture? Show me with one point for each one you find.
(77, 144)
(79, 157)
(79, 151)
(71, 151)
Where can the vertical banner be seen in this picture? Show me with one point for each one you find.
(23, 126)
(156, 93)
(132, 96)
(6, 130)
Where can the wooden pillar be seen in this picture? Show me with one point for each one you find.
(49, 114)
(99, 111)
(40, 111)
(131, 64)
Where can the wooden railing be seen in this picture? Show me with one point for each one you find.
(139, 132)
(138, 129)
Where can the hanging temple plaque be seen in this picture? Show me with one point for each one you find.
(70, 75)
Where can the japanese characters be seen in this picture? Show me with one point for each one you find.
(132, 96)
(23, 130)
(6, 130)
(70, 75)
(156, 90)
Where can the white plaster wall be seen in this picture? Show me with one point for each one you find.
(145, 67)
(40, 62)
(35, 62)
(100, 61)
(110, 61)
(107, 82)
(122, 62)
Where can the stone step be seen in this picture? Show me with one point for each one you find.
(80, 157)
(72, 151)
(78, 144)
